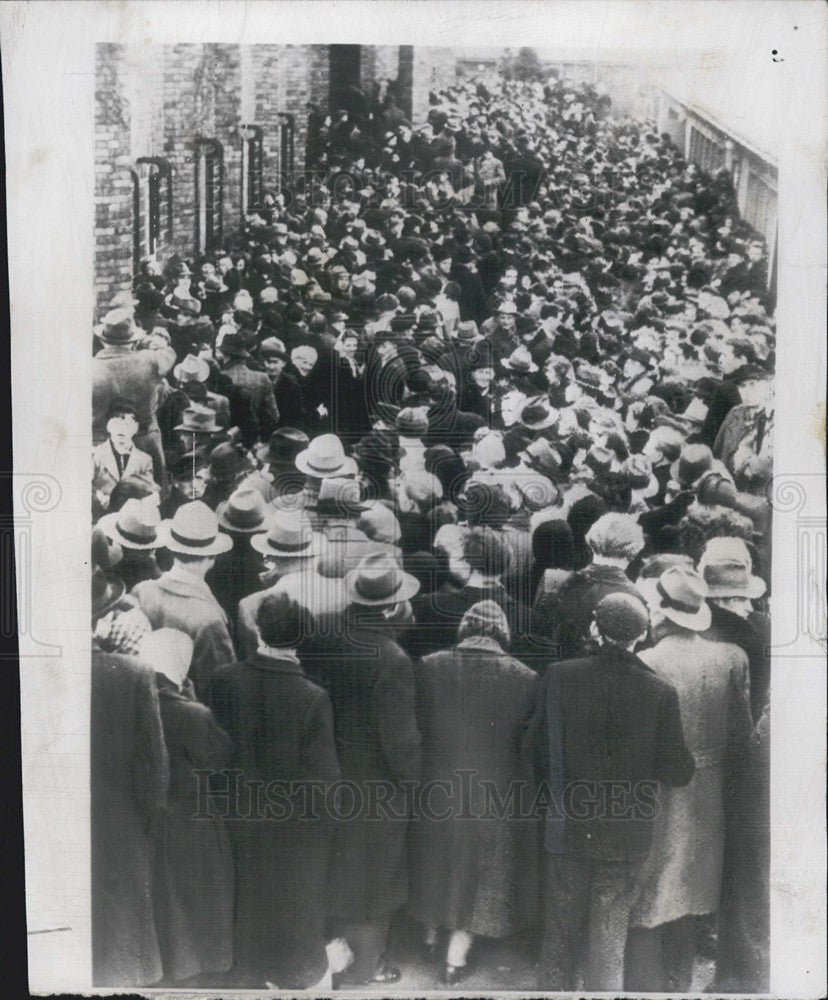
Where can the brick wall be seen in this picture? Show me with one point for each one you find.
(202, 93)
(113, 181)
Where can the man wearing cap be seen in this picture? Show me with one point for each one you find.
(181, 599)
(682, 877)
(131, 366)
(117, 457)
(607, 736)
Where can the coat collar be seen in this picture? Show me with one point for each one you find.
(481, 642)
(276, 664)
(620, 659)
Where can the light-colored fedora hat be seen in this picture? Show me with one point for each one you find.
(290, 537)
(325, 458)
(683, 598)
(134, 526)
(194, 531)
(727, 568)
(245, 512)
(379, 580)
(192, 369)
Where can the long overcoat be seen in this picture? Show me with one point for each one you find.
(682, 875)
(194, 861)
(282, 732)
(129, 776)
(371, 683)
(476, 874)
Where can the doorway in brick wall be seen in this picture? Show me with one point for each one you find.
(344, 76)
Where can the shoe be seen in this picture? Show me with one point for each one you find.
(451, 975)
(385, 974)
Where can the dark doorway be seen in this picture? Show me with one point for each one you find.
(344, 76)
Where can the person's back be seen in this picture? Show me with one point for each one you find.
(615, 714)
(135, 375)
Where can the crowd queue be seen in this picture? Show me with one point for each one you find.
(448, 471)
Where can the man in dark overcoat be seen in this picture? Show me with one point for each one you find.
(371, 683)
(282, 732)
(606, 732)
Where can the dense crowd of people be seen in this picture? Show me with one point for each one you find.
(440, 489)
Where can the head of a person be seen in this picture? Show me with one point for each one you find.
(486, 620)
(386, 348)
(348, 343)
(486, 552)
(553, 545)
(304, 359)
(274, 357)
(121, 424)
(620, 620)
(282, 622)
(615, 537)
(169, 652)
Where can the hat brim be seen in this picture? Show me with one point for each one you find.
(137, 334)
(190, 377)
(409, 586)
(229, 526)
(260, 544)
(521, 370)
(546, 422)
(755, 588)
(221, 544)
(109, 525)
(698, 621)
(215, 429)
(347, 468)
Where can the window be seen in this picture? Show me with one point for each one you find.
(152, 207)
(252, 192)
(209, 190)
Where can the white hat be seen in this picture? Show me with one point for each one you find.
(325, 457)
(194, 531)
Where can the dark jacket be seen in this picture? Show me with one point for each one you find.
(568, 618)
(371, 684)
(749, 635)
(194, 883)
(438, 617)
(607, 730)
(129, 776)
(281, 727)
(475, 873)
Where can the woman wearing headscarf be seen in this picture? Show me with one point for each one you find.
(472, 872)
